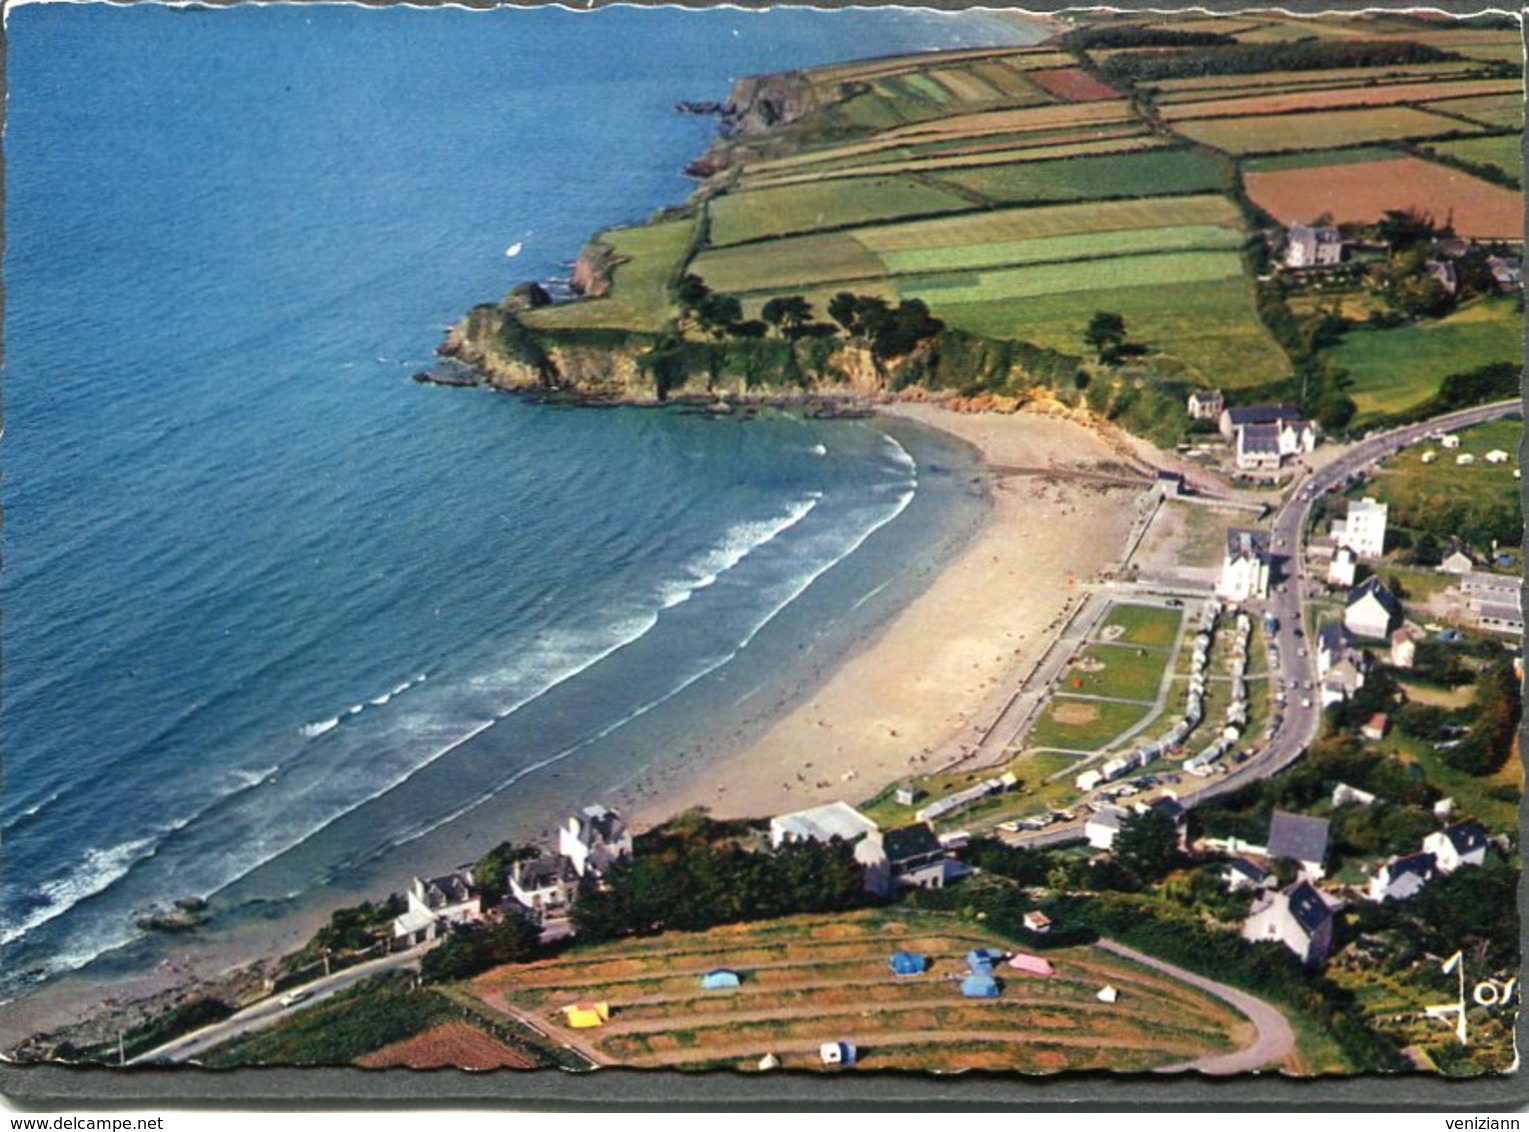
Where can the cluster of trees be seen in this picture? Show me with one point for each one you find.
(1494, 717)
(688, 881)
(471, 949)
(1319, 381)
(349, 930)
(1250, 58)
(1110, 37)
(1477, 519)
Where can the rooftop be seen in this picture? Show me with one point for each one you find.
(1297, 837)
(822, 823)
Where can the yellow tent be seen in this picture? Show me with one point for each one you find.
(583, 1015)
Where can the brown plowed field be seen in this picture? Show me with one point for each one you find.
(1364, 190)
(449, 1045)
(1072, 85)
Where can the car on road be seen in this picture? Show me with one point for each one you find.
(1009, 826)
(292, 998)
(1306, 701)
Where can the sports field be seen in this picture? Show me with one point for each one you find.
(1072, 724)
(1148, 625)
(1366, 190)
(813, 979)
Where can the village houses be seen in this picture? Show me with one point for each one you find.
(1301, 839)
(1205, 405)
(1363, 529)
(594, 839)
(436, 905)
(1372, 612)
(1319, 245)
(1458, 846)
(1263, 436)
(1299, 918)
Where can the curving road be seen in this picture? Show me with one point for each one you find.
(1274, 1040)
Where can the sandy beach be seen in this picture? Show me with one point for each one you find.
(922, 692)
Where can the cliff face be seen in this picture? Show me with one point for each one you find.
(643, 369)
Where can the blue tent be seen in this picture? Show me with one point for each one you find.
(720, 979)
(979, 986)
(907, 963)
(981, 960)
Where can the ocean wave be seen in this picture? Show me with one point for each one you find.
(900, 455)
(314, 730)
(739, 541)
(26, 815)
(96, 871)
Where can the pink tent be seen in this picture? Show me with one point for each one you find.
(1032, 964)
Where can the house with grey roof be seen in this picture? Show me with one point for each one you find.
(1298, 918)
(1459, 845)
(436, 904)
(594, 839)
(1401, 878)
(1205, 405)
(545, 886)
(1372, 611)
(1301, 839)
(841, 821)
(1242, 874)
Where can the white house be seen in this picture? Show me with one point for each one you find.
(1245, 565)
(1102, 828)
(545, 886)
(1298, 918)
(1372, 611)
(1242, 874)
(1457, 562)
(436, 904)
(1313, 246)
(1205, 404)
(1363, 530)
(1340, 571)
(1457, 846)
(1404, 649)
(1401, 878)
(1262, 436)
(594, 839)
(1258, 448)
(839, 820)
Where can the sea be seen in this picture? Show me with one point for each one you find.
(277, 619)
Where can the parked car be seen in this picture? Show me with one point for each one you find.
(292, 998)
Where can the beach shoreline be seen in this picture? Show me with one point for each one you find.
(919, 693)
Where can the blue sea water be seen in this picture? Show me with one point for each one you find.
(273, 614)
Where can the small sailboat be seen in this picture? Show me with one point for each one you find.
(514, 249)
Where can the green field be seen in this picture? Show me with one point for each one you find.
(1154, 173)
(1203, 325)
(1502, 152)
(1148, 625)
(1139, 271)
(1502, 111)
(1417, 490)
(1084, 725)
(1317, 158)
(1397, 369)
(1272, 133)
(1065, 250)
(1128, 672)
(736, 217)
(639, 300)
(792, 264)
(1177, 89)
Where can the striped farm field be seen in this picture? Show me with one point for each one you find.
(1017, 121)
(1136, 142)
(1322, 130)
(1318, 159)
(1364, 191)
(1162, 172)
(737, 217)
(813, 979)
(1170, 89)
(1055, 220)
(1062, 278)
(1063, 249)
(1200, 324)
(1328, 99)
(792, 264)
(1499, 111)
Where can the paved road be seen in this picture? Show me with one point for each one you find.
(268, 1011)
(1274, 1039)
(1286, 602)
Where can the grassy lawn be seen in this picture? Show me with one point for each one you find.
(811, 979)
(1033, 770)
(1503, 111)
(1064, 250)
(1415, 489)
(1210, 327)
(1394, 370)
(639, 298)
(1124, 672)
(1500, 151)
(1142, 625)
(1472, 795)
(787, 266)
(1319, 130)
(740, 216)
(1154, 173)
(1084, 725)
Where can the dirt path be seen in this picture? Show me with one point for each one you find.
(1275, 1041)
